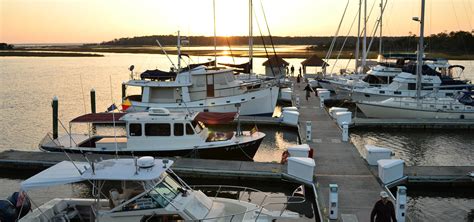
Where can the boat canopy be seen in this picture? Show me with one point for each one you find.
(66, 172)
(426, 70)
(213, 118)
(240, 68)
(158, 75)
(99, 118)
(62, 173)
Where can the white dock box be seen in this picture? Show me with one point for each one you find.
(285, 94)
(375, 153)
(321, 89)
(334, 110)
(324, 94)
(390, 170)
(342, 117)
(301, 167)
(289, 108)
(299, 150)
(290, 117)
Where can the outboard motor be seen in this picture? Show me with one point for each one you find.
(7, 211)
(14, 207)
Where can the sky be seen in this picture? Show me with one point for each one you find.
(91, 21)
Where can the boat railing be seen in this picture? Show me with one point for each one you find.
(267, 199)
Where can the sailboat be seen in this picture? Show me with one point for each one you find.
(460, 106)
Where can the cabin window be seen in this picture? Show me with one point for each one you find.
(135, 129)
(200, 81)
(397, 93)
(412, 86)
(382, 92)
(220, 79)
(157, 129)
(178, 129)
(189, 129)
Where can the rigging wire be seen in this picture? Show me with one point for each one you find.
(264, 47)
(230, 49)
(376, 26)
(268, 29)
(345, 40)
(328, 54)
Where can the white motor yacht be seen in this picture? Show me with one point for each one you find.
(160, 132)
(143, 189)
(202, 89)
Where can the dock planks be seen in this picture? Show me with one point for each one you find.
(338, 163)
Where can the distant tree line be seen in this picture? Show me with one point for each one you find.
(5, 46)
(452, 42)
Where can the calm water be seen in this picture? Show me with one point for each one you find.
(28, 84)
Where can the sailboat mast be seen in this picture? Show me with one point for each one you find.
(381, 16)
(364, 42)
(215, 35)
(250, 37)
(419, 60)
(358, 40)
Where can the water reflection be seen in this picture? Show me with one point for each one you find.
(425, 147)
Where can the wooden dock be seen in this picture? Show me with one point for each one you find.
(36, 161)
(338, 163)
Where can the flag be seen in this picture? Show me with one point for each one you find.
(112, 108)
(126, 104)
(254, 130)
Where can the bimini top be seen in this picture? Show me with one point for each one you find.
(66, 172)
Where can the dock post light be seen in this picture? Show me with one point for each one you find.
(345, 131)
(333, 201)
(308, 131)
(400, 210)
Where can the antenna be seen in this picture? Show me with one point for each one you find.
(113, 118)
(166, 54)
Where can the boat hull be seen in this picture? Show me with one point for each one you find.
(255, 103)
(392, 112)
(241, 151)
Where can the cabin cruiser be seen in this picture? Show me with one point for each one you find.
(160, 132)
(201, 89)
(460, 106)
(142, 189)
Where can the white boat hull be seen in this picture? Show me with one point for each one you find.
(359, 96)
(261, 102)
(391, 112)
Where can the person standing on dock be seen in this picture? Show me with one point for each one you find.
(383, 211)
(292, 70)
(308, 90)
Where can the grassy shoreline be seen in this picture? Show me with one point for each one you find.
(23, 53)
(83, 51)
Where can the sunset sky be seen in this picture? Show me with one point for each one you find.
(89, 21)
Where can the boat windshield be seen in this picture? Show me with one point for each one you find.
(158, 197)
(198, 126)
